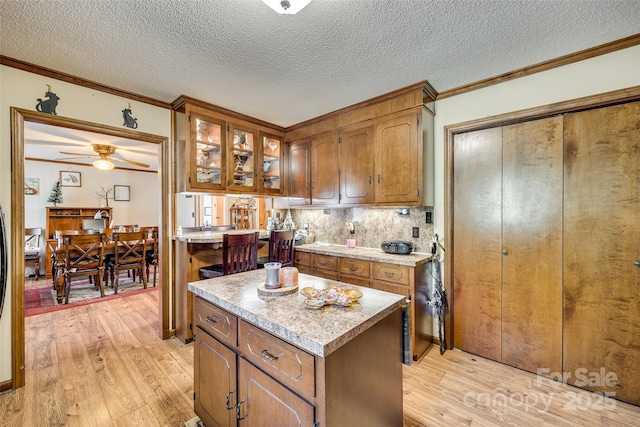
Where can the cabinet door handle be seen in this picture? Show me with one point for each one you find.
(268, 355)
(637, 263)
(238, 417)
(313, 185)
(212, 319)
(504, 252)
(353, 267)
(228, 399)
(378, 179)
(389, 274)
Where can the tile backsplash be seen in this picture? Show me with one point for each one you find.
(372, 225)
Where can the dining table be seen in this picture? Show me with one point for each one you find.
(57, 250)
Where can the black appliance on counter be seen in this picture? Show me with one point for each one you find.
(399, 247)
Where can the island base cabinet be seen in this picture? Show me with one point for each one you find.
(214, 382)
(265, 402)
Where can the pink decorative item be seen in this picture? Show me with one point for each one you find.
(351, 243)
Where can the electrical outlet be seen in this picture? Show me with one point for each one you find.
(326, 211)
(416, 232)
(429, 218)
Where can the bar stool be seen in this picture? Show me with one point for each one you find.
(281, 244)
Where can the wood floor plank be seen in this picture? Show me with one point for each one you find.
(104, 365)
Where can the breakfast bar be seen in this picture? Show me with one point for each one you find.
(280, 362)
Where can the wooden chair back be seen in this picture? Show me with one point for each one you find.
(130, 253)
(83, 256)
(32, 237)
(239, 252)
(59, 234)
(130, 247)
(281, 244)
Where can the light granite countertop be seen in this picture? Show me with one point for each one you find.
(213, 236)
(319, 332)
(367, 254)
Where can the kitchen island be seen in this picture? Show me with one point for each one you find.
(276, 362)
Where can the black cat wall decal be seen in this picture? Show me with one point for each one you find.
(129, 121)
(48, 105)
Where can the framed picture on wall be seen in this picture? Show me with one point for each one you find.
(121, 193)
(70, 179)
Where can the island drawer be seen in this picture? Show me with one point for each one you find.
(325, 262)
(302, 258)
(283, 361)
(354, 267)
(397, 274)
(216, 321)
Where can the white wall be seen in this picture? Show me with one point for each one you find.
(22, 89)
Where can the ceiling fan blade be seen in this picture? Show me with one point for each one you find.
(76, 154)
(131, 162)
(72, 158)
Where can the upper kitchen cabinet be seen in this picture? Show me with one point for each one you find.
(299, 172)
(379, 152)
(242, 158)
(324, 170)
(220, 151)
(272, 163)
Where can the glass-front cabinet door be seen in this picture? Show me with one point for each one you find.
(242, 158)
(208, 136)
(271, 171)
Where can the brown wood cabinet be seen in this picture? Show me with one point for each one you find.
(245, 376)
(219, 151)
(356, 166)
(398, 159)
(64, 218)
(386, 277)
(507, 262)
(601, 303)
(325, 183)
(300, 173)
(546, 259)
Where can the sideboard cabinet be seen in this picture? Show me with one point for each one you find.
(64, 218)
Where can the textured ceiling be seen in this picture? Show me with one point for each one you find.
(285, 69)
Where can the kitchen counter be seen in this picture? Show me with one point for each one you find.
(319, 332)
(213, 236)
(367, 254)
(275, 361)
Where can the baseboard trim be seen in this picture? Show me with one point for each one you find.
(6, 386)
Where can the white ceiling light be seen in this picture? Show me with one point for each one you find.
(288, 7)
(103, 164)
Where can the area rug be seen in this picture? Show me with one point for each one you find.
(43, 300)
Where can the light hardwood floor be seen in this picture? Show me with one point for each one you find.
(104, 365)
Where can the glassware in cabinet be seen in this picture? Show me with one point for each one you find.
(242, 158)
(272, 161)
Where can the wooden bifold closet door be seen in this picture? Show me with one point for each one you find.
(602, 250)
(507, 259)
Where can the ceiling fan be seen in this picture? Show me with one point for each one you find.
(104, 159)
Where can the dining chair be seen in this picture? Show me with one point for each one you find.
(281, 244)
(152, 252)
(239, 253)
(32, 248)
(83, 257)
(130, 254)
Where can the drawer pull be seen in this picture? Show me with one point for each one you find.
(389, 274)
(322, 263)
(637, 263)
(228, 399)
(353, 267)
(268, 355)
(212, 319)
(238, 417)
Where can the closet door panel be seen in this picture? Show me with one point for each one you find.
(477, 242)
(602, 245)
(532, 245)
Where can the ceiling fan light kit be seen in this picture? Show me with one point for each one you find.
(105, 161)
(287, 7)
(103, 164)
